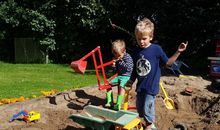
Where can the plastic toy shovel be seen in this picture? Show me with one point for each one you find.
(168, 101)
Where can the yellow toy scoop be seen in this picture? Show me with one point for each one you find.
(169, 103)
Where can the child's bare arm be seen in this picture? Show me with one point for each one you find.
(181, 48)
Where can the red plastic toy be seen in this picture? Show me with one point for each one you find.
(79, 66)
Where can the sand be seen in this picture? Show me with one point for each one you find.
(198, 111)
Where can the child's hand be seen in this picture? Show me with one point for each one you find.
(128, 85)
(115, 60)
(113, 64)
(182, 46)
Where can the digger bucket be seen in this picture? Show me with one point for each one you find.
(79, 66)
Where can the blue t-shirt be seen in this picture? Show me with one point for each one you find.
(147, 68)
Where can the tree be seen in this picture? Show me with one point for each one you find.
(23, 21)
(65, 27)
(78, 24)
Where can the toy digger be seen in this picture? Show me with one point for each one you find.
(79, 66)
(27, 117)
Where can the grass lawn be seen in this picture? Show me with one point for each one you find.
(30, 79)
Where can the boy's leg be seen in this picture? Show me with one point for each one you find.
(109, 98)
(140, 100)
(120, 99)
(149, 111)
(121, 91)
(109, 94)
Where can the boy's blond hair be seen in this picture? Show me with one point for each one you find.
(146, 27)
(118, 46)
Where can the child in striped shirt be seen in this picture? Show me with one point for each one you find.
(123, 65)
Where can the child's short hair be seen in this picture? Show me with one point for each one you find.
(145, 26)
(118, 46)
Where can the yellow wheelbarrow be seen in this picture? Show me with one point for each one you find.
(169, 103)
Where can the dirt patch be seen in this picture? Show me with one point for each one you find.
(196, 111)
